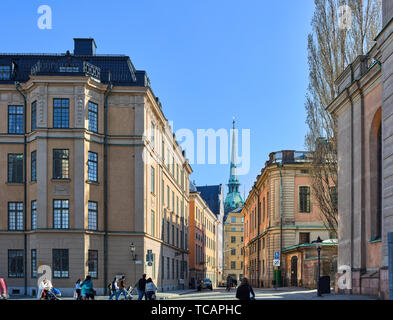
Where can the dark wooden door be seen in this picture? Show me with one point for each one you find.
(294, 271)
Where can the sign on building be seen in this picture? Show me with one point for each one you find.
(276, 262)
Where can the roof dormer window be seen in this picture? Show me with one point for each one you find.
(5, 72)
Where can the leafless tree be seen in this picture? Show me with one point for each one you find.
(330, 49)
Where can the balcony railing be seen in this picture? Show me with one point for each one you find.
(75, 68)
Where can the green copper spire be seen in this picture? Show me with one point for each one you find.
(233, 199)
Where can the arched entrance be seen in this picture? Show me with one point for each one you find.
(294, 271)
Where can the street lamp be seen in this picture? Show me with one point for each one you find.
(132, 250)
(318, 244)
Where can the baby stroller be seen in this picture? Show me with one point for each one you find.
(51, 294)
(130, 292)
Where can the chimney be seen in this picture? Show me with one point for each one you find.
(84, 47)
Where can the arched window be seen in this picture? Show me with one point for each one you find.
(375, 201)
(378, 230)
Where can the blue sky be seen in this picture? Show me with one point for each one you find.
(207, 61)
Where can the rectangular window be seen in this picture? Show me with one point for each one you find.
(33, 263)
(34, 166)
(15, 168)
(92, 167)
(173, 235)
(60, 214)
(173, 268)
(15, 119)
(152, 181)
(33, 215)
(93, 264)
(5, 72)
(177, 237)
(167, 231)
(167, 267)
(264, 209)
(162, 267)
(233, 265)
(61, 158)
(152, 223)
(304, 200)
(233, 219)
(92, 215)
(93, 117)
(233, 239)
(15, 264)
(33, 115)
(60, 263)
(15, 216)
(304, 237)
(162, 192)
(173, 201)
(167, 197)
(333, 197)
(177, 269)
(61, 113)
(233, 252)
(152, 134)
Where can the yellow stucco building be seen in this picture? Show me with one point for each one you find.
(233, 244)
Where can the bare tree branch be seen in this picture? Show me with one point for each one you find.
(330, 50)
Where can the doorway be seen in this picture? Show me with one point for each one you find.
(294, 271)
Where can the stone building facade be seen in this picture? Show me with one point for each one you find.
(364, 110)
(90, 169)
(280, 213)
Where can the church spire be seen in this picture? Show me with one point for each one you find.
(233, 199)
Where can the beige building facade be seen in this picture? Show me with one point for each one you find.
(90, 169)
(280, 214)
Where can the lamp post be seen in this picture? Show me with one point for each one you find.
(318, 244)
(132, 251)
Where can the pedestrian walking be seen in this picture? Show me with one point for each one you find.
(78, 288)
(87, 289)
(122, 288)
(113, 287)
(229, 283)
(141, 287)
(150, 289)
(245, 292)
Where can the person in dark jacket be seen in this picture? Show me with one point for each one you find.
(141, 287)
(113, 287)
(244, 291)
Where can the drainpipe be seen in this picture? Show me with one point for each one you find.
(107, 93)
(281, 210)
(24, 184)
